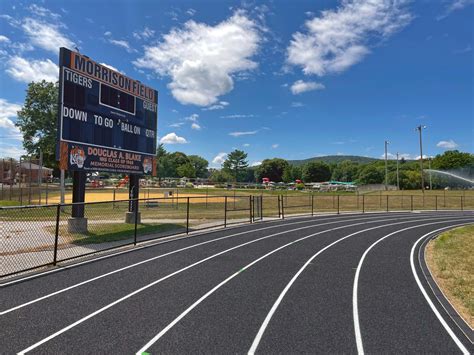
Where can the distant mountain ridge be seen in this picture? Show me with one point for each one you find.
(329, 159)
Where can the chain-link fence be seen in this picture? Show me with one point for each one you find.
(37, 236)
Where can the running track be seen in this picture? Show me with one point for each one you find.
(327, 284)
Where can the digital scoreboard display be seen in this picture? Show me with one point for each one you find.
(107, 121)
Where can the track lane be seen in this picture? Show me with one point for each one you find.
(70, 276)
(184, 283)
(60, 312)
(390, 302)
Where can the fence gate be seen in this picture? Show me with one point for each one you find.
(257, 207)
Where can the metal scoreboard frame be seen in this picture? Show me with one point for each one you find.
(106, 120)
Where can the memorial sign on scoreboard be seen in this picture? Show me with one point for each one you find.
(107, 121)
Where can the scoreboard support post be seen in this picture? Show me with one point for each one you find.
(78, 224)
(133, 194)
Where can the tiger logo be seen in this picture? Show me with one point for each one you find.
(77, 156)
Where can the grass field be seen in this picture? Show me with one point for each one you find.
(450, 258)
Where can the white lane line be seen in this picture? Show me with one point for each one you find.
(428, 299)
(171, 275)
(163, 255)
(355, 308)
(153, 243)
(195, 304)
(270, 314)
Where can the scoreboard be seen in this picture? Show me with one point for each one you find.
(107, 121)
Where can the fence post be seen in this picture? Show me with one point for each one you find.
(3, 175)
(462, 205)
(12, 178)
(250, 208)
(261, 207)
(136, 222)
(56, 235)
(187, 216)
(282, 208)
(436, 202)
(387, 203)
(312, 205)
(225, 211)
(338, 204)
(363, 203)
(411, 203)
(279, 210)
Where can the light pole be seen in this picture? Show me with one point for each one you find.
(398, 175)
(419, 129)
(386, 166)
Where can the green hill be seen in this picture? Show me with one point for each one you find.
(329, 159)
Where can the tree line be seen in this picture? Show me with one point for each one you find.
(37, 124)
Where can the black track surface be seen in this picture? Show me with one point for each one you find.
(315, 316)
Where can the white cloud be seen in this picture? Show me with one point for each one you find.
(8, 111)
(107, 33)
(112, 67)
(4, 39)
(27, 71)
(450, 144)
(43, 12)
(147, 33)
(341, 38)
(256, 163)
(11, 151)
(122, 44)
(192, 118)
(297, 104)
(191, 12)
(301, 86)
(454, 5)
(219, 159)
(201, 59)
(238, 116)
(246, 145)
(173, 138)
(221, 105)
(392, 156)
(196, 126)
(238, 134)
(275, 146)
(45, 35)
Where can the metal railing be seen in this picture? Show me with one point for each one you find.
(45, 235)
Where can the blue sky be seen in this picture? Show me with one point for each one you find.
(290, 79)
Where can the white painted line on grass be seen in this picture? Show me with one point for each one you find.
(355, 308)
(428, 299)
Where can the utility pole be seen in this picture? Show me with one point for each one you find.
(429, 167)
(419, 129)
(386, 166)
(398, 175)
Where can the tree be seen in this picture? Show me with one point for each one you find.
(345, 171)
(37, 121)
(186, 170)
(272, 169)
(200, 165)
(220, 176)
(453, 159)
(292, 173)
(371, 174)
(235, 164)
(316, 171)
